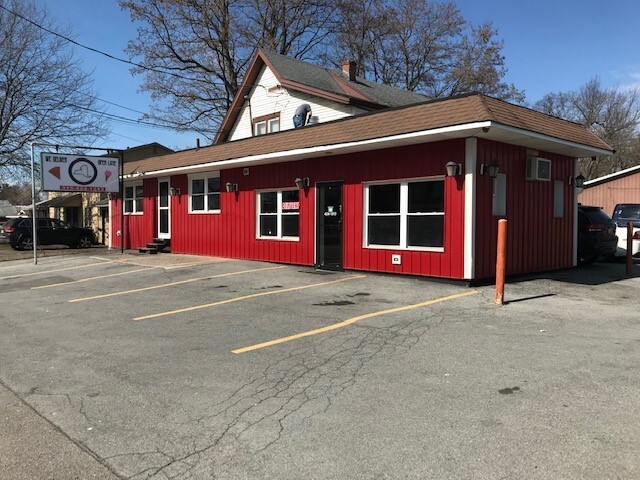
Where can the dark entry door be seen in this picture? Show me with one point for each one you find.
(329, 228)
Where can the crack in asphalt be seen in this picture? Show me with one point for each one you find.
(289, 392)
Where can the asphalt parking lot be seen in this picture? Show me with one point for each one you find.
(171, 366)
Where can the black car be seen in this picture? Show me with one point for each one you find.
(51, 231)
(596, 234)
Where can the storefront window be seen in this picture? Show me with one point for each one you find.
(406, 214)
(133, 199)
(279, 214)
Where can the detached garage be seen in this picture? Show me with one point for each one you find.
(415, 190)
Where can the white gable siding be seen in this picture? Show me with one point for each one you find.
(263, 102)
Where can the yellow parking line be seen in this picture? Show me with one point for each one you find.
(164, 285)
(246, 297)
(91, 278)
(351, 321)
(56, 270)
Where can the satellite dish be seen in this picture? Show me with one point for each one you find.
(301, 116)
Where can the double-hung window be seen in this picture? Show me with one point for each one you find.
(133, 198)
(278, 214)
(266, 124)
(407, 215)
(204, 193)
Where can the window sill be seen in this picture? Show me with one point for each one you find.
(404, 249)
(280, 239)
(204, 212)
(134, 213)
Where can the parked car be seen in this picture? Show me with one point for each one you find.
(50, 232)
(596, 234)
(622, 214)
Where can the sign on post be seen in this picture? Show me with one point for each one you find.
(79, 173)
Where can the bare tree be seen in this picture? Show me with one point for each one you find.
(198, 50)
(611, 113)
(44, 94)
(421, 46)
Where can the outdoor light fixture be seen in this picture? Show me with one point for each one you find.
(111, 196)
(577, 182)
(490, 170)
(301, 182)
(453, 169)
(231, 187)
(173, 191)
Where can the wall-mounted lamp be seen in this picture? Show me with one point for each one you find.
(577, 182)
(231, 187)
(453, 169)
(301, 182)
(174, 192)
(111, 196)
(490, 170)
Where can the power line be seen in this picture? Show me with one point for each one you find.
(100, 52)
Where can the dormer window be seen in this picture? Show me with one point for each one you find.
(266, 124)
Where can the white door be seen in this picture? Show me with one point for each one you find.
(164, 208)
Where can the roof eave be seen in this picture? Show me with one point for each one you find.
(539, 141)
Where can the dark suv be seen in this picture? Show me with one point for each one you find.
(51, 231)
(596, 234)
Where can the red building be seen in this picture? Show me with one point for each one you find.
(373, 192)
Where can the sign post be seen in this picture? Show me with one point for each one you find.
(34, 229)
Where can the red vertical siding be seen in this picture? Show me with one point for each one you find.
(139, 229)
(536, 241)
(232, 233)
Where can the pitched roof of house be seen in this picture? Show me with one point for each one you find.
(6, 208)
(319, 81)
(612, 176)
(457, 117)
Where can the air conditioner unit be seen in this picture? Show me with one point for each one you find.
(538, 168)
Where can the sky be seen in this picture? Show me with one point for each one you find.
(549, 46)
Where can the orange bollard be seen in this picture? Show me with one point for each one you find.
(629, 249)
(501, 261)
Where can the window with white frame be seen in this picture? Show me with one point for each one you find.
(133, 198)
(407, 214)
(204, 193)
(278, 214)
(266, 124)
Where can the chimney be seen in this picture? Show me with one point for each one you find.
(349, 69)
(197, 143)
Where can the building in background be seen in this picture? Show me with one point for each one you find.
(610, 190)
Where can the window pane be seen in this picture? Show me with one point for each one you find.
(384, 198)
(268, 225)
(384, 230)
(128, 192)
(197, 202)
(128, 206)
(290, 201)
(261, 128)
(197, 186)
(213, 185)
(214, 201)
(139, 191)
(164, 221)
(426, 197)
(274, 125)
(138, 205)
(290, 225)
(268, 202)
(425, 231)
(164, 194)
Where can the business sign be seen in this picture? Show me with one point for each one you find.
(78, 173)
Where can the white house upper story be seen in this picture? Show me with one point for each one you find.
(277, 89)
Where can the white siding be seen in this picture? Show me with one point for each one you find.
(284, 101)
